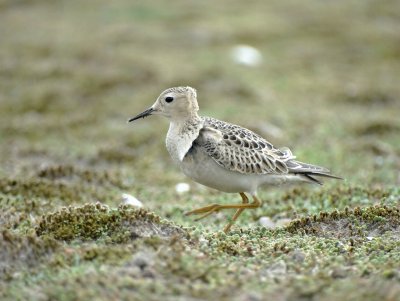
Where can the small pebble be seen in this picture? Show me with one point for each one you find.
(182, 187)
(246, 55)
(131, 200)
(266, 222)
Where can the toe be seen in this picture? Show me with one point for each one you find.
(201, 210)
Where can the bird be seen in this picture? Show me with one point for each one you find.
(225, 156)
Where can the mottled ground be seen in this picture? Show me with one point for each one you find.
(73, 72)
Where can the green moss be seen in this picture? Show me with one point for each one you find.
(349, 223)
(338, 196)
(62, 185)
(40, 188)
(117, 155)
(95, 221)
(90, 176)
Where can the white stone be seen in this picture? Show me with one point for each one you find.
(131, 200)
(182, 187)
(246, 55)
(266, 222)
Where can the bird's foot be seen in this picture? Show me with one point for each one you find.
(207, 210)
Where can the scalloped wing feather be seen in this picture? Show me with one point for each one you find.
(241, 150)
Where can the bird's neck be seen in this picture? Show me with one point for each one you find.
(181, 134)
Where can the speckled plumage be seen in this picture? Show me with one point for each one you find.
(225, 156)
(239, 149)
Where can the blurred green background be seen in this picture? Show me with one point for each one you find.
(325, 83)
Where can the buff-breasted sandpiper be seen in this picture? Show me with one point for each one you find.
(225, 156)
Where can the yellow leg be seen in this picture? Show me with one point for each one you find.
(207, 210)
(238, 212)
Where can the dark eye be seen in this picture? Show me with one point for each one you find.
(169, 99)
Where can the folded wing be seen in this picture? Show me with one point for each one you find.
(241, 150)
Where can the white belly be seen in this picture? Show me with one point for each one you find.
(201, 168)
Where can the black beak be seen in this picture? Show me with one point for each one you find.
(142, 115)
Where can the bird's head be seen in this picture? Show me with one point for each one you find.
(174, 103)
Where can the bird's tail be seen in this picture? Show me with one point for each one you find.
(309, 171)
